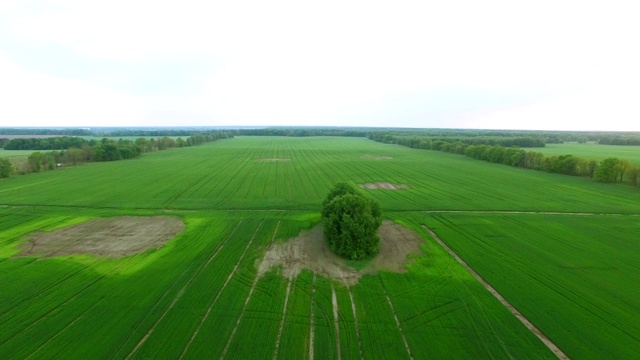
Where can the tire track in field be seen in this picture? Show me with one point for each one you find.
(336, 321)
(246, 302)
(180, 293)
(553, 347)
(166, 293)
(65, 328)
(46, 290)
(312, 318)
(355, 321)
(395, 316)
(284, 313)
(57, 308)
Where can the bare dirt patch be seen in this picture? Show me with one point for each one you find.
(272, 159)
(382, 157)
(383, 185)
(310, 251)
(115, 237)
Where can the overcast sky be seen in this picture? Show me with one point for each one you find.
(567, 65)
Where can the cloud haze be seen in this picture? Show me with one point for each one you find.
(491, 64)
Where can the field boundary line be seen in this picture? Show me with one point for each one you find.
(312, 318)
(336, 320)
(246, 302)
(355, 322)
(180, 293)
(395, 316)
(524, 212)
(206, 315)
(539, 334)
(284, 313)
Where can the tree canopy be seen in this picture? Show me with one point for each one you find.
(351, 222)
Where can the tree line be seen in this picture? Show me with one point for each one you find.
(79, 151)
(609, 170)
(447, 143)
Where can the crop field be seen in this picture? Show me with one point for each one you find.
(534, 236)
(593, 151)
(584, 269)
(14, 153)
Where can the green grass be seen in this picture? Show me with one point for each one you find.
(15, 153)
(591, 151)
(199, 295)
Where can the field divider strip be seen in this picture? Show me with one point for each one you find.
(553, 347)
(284, 313)
(336, 320)
(524, 212)
(215, 300)
(246, 301)
(355, 322)
(312, 318)
(395, 316)
(179, 295)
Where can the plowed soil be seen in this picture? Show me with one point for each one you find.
(383, 185)
(115, 237)
(272, 159)
(310, 251)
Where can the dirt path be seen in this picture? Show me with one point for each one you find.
(284, 313)
(336, 321)
(553, 347)
(395, 316)
(312, 319)
(355, 322)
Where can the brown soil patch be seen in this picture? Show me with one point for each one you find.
(310, 251)
(383, 185)
(115, 237)
(375, 157)
(272, 159)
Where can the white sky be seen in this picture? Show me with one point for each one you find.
(569, 65)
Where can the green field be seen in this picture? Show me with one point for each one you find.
(591, 151)
(14, 153)
(199, 296)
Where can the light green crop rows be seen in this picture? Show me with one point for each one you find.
(199, 295)
(575, 277)
(593, 151)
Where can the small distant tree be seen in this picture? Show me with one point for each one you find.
(351, 222)
(6, 168)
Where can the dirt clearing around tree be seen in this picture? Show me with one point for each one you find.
(272, 159)
(382, 157)
(383, 185)
(114, 237)
(310, 251)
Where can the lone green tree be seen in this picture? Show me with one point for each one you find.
(351, 222)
